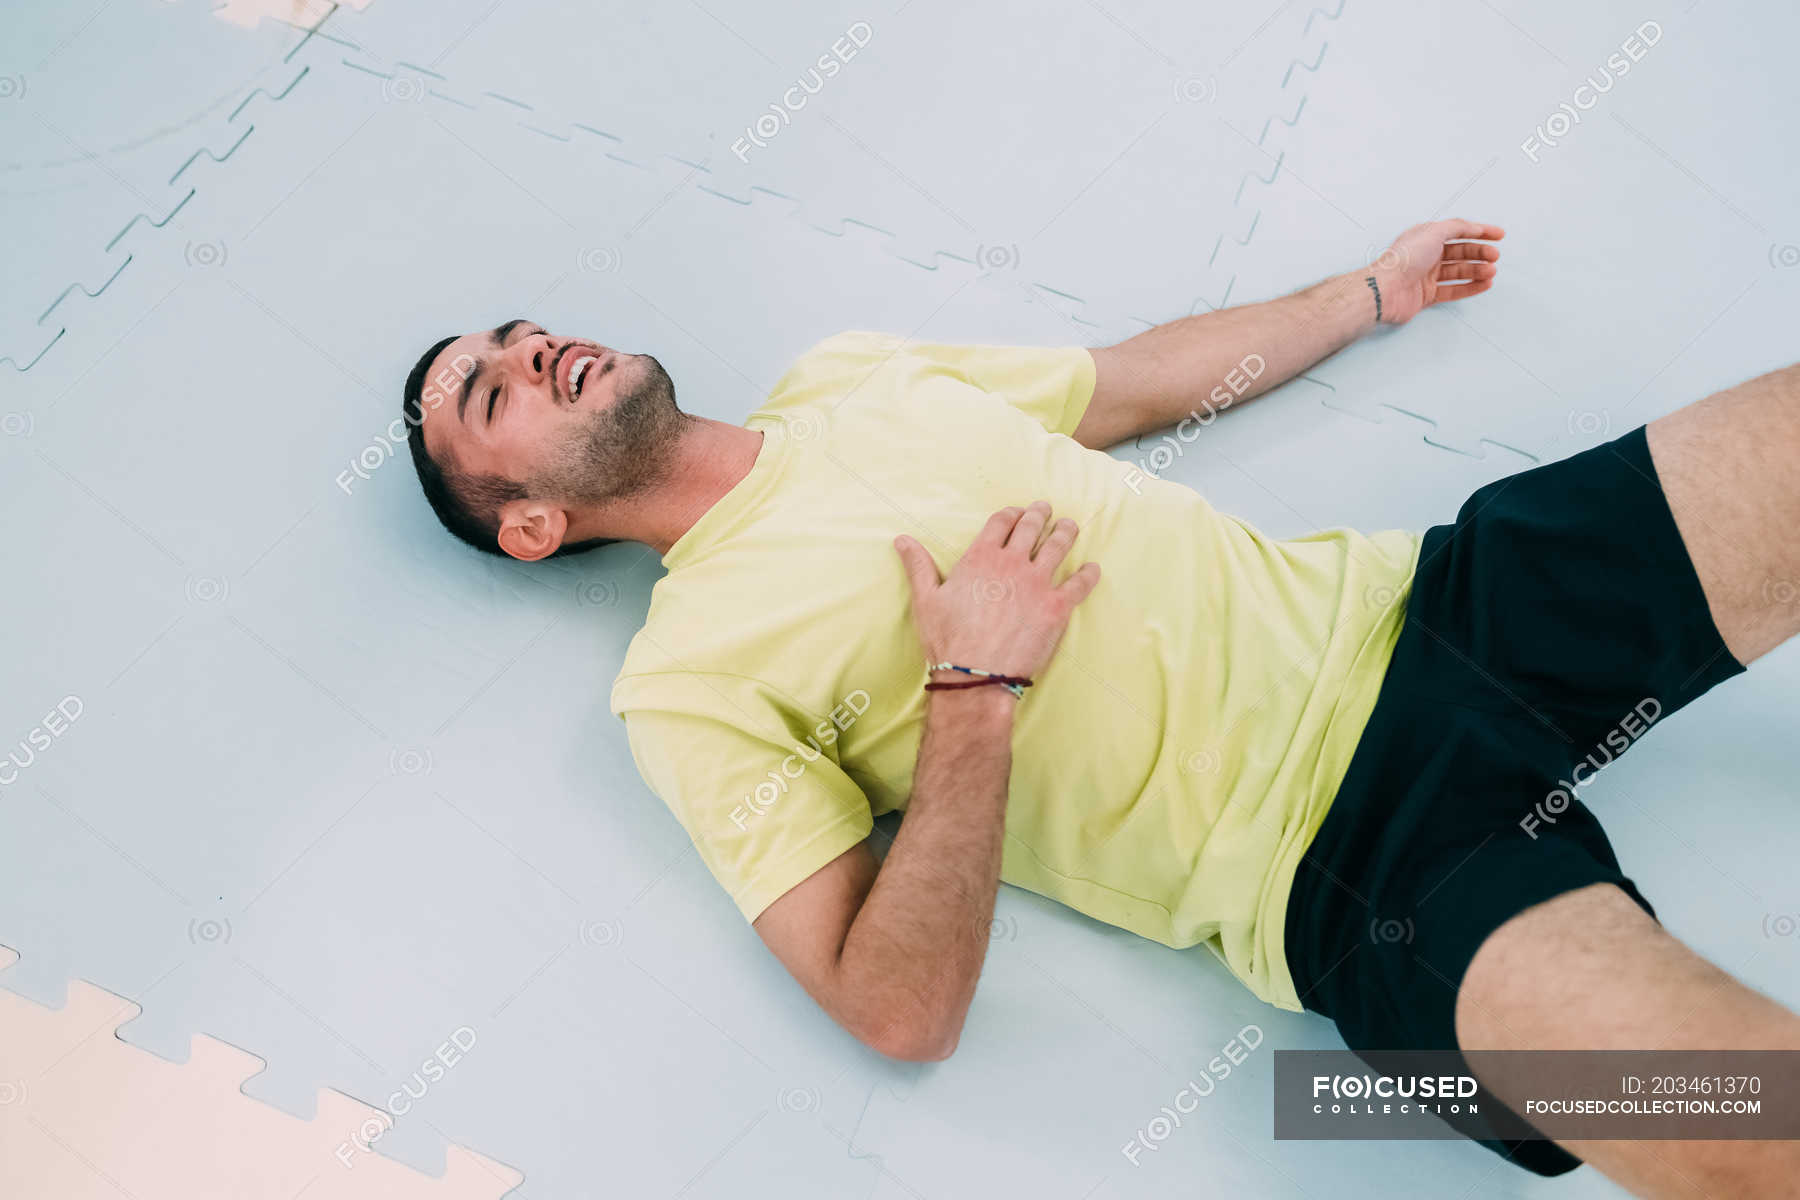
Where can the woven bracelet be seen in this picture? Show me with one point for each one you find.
(1016, 684)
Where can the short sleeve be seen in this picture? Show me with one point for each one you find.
(763, 815)
(1052, 385)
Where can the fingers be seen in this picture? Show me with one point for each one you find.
(1462, 291)
(921, 572)
(998, 526)
(1459, 228)
(1021, 530)
(1457, 251)
(1451, 272)
(1056, 546)
(1077, 586)
(1030, 526)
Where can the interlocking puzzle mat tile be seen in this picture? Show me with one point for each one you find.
(419, 36)
(109, 127)
(1638, 225)
(1201, 118)
(1131, 1026)
(85, 1114)
(970, 109)
(675, 78)
(831, 174)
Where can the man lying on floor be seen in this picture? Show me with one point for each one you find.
(1266, 747)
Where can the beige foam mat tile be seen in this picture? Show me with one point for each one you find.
(302, 14)
(85, 1116)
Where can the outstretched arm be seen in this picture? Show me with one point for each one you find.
(1198, 365)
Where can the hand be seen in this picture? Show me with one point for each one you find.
(1001, 609)
(1428, 263)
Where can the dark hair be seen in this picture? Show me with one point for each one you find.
(467, 505)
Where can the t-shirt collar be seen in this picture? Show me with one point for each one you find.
(729, 510)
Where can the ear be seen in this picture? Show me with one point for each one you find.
(532, 529)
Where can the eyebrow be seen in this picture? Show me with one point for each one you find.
(498, 334)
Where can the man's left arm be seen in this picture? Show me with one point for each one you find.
(1198, 365)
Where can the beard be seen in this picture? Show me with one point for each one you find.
(622, 449)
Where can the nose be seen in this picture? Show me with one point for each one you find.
(530, 358)
(531, 355)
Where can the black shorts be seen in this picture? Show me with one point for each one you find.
(1546, 631)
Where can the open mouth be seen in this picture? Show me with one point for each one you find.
(580, 360)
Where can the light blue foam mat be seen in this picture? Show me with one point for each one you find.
(1645, 225)
(340, 787)
(110, 127)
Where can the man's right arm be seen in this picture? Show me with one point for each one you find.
(893, 955)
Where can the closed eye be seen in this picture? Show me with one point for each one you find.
(504, 336)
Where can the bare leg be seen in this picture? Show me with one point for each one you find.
(1730, 466)
(1590, 970)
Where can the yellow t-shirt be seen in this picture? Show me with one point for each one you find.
(1172, 761)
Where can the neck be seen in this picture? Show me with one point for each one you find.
(709, 459)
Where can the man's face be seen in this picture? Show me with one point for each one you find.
(574, 421)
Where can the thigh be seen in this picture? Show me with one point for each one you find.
(1429, 847)
(1728, 466)
(1565, 596)
(1591, 970)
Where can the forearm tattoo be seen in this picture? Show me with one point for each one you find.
(1376, 288)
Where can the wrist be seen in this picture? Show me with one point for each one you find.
(988, 704)
(1370, 289)
(1344, 305)
(955, 673)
